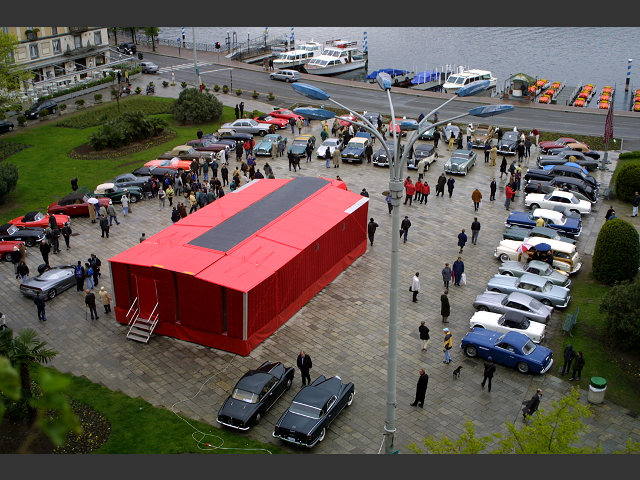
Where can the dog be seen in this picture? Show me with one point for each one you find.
(456, 372)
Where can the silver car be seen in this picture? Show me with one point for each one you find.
(536, 267)
(513, 302)
(461, 162)
(285, 75)
(248, 125)
(49, 283)
(534, 285)
(148, 67)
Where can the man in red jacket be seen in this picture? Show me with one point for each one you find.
(410, 189)
(508, 193)
(426, 190)
(418, 193)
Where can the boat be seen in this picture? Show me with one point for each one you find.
(429, 79)
(298, 57)
(338, 56)
(464, 77)
(398, 77)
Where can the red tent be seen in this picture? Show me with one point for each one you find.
(230, 274)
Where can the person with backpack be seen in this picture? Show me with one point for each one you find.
(79, 275)
(95, 263)
(89, 276)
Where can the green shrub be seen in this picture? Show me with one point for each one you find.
(62, 107)
(627, 155)
(216, 87)
(128, 128)
(616, 256)
(79, 103)
(193, 106)
(225, 89)
(183, 84)
(621, 308)
(22, 120)
(255, 94)
(628, 182)
(8, 179)
(44, 113)
(165, 84)
(239, 91)
(271, 96)
(97, 97)
(138, 90)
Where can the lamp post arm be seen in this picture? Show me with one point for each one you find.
(367, 122)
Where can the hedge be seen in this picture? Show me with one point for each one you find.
(616, 256)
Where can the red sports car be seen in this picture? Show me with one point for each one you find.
(559, 143)
(398, 131)
(74, 204)
(173, 163)
(38, 219)
(284, 113)
(345, 120)
(279, 122)
(6, 249)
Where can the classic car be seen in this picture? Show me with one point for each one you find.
(373, 117)
(461, 161)
(513, 302)
(379, 158)
(263, 147)
(354, 151)
(571, 227)
(30, 236)
(206, 145)
(115, 193)
(185, 152)
(508, 322)
(148, 67)
(557, 198)
(345, 120)
(560, 170)
(127, 47)
(481, 134)
(6, 249)
(6, 126)
(248, 125)
(313, 409)
(536, 267)
(38, 219)
(174, 164)
(534, 285)
(581, 189)
(285, 113)
(326, 148)
(156, 172)
(228, 136)
(428, 133)
(49, 283)
(559, 143)
(423, 150)
(127, 180)
(75, 204)
(511, 349)
(519, 233)
(299, 145)
(508, 143)
(33, 112)
(285, 75)
(254, 394)
(565, 255)
(564, 156)
(279, 122)
(576, 148)
(400, 132)
(450, 130)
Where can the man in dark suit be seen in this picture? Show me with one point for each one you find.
(489, 370)
(304, 364)
(421, 389)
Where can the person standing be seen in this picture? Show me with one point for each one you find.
(104, 226)
(424, 335)
(476, 198)
(421, 389)
(493, 154)
(422, 165)
(568, 355)
(404, 228)
(508, 196)
(39, 301)
(224, 174)
(304, 364)
(388, 199)
(66, 234)
(489, 370)
(418, 193)
(162, 195)
(445, 307)
(527, 148)
(336, 157)
(442, 180)
(450, 184)
(22, 271)
(45, 249)
(241, 109)
(237, 111)
(79, 274)
(436, 138)
(503, 167)
(578, 365)
(446, 275)
(487, 151)
(452, 140)
(415, 286)
(299, 125)
(125, 204)
(105, 298)
(531, 406)
(448, 345)
(426, 190)
(90, 301)
(410, 189)
(635, 203)
(493, 186)
(475, 230)
(371, 230)
(536, 135)
(368, 151)
(462, 240)
(458, 270)
(520, 151)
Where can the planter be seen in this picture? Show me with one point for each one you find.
(238, 92)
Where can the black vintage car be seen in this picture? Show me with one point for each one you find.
(560, 170)
(29, 235)
(519, 233)
(254, 394)
(561, 157)
(127, 180)
(508, 143)
(581, 189)
(313, 409)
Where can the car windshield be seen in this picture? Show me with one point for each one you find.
(244, 396)
(528, 347)
(304, 410)
(38, 216)
(459, 160)
(330, 142)
(547, 287)
(299, 142)
(12, 229)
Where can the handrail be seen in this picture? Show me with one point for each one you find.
(135, 300)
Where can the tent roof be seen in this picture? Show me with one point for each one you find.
(523, 77)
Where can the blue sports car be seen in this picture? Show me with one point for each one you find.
(511, 349)
(569, 226)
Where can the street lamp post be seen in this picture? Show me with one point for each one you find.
(396, 187)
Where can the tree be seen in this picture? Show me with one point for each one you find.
(152, 33)
(628, 182)
(11, 75)
(195, 107)
(616, 256)
(621, 308)
(8, 179)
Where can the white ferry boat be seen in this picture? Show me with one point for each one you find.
(464, 77)
(338, 56)
(298, 57)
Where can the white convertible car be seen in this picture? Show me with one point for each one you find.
(557, 198)
(509, 322)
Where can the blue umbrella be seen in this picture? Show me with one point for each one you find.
(543, 247)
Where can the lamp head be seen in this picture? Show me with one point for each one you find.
(314, 113)
(310, 91)
(384, 80)
(490, 110)
(473, 88)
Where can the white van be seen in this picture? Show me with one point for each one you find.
(286, 75)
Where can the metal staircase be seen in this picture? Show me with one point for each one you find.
(140, 329)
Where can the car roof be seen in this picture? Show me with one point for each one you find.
(317, 395)
(550, 214)
(358, 140)
(254, 381)
(559, 245)
(521, 298)
(533, 279)
(462, 153)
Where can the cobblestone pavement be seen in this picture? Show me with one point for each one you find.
(344, 327)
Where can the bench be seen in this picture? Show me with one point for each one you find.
(570, 321)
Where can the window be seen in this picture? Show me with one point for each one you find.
(97, 38)
(55, 43)
(54, 30)
(77, 41)
(33, 50)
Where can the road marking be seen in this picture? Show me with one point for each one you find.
(183, 66)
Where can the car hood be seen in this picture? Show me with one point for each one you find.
(489, 298)
(503, 281)
(238, 409)
(558, 292)
(352, 150)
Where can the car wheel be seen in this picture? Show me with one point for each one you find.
(483, 308)
(11, 128)
(7, 257)
(507, 273)
(133, 199)
(350, 399)
(288, 384)
(495, 290)
(258, 418)
(29, 242)
(575, 211)
(534, 206)
(470, 351)
(263, 133)
(546, 302)
(522, 367)
(52, 293)
(477, 326)
(504, 257)
(322, 434)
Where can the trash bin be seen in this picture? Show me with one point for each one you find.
(597, 387)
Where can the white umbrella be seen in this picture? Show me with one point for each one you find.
(93, 200)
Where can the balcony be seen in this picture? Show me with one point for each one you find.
(69, 52)
(77, 29)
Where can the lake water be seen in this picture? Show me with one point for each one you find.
(572, 55)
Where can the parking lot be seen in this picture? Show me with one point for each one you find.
(344, 328)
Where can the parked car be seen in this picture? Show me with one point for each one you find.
(127, 180)
(148, 67)
(557, 198)
(461, 161)
(380, 159)
(7, 251)
(569, 226)
(508, 143)
(115, 193)
(313, 409)
(248, 125)
(534, 285)
(228, 135)
(536, 267)
(373, 117)
(345, 120)
(354, 151)
(508, 322)
(206, 145)
(30, 236)
(254, 394)
(299, 145)
(519, 233)
(263, 148)
(565, 255)
(6, 126)
(285, 75)
(326, 148)
(577, 147)
(127, 47)
(49, 283)
(581, 189)
(285, 113)
(33, 112)
(560, 170)
(174, 164)
(562, 157)
(38, 219)
(482, 133)
(186, 152)
(513, 302)
(428, 133)
(450, 130)
(511, 349)
(423, 150)
(75, 204)
(279, 122)
(559, 143)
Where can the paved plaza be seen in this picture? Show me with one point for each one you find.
(344, 328)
